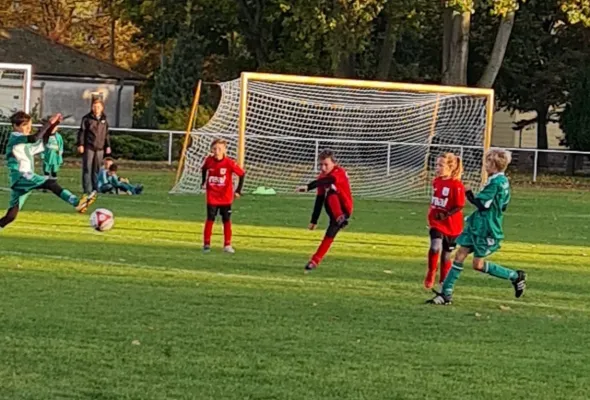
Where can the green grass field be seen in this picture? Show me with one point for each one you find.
(140, 313)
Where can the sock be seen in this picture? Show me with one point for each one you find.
(67, 196)
(227, 233)
(322, 250)
(444, 270)
(207, 232)
(432, 267)
(453, 275)
(499, 271)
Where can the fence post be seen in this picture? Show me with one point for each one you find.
(461, 154)
(170, 140)
(388, 158)
(317, 154)
(535, 163)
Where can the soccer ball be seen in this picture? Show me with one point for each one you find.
(102, 220)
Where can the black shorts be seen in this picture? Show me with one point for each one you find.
(449, 242)
(224, 211)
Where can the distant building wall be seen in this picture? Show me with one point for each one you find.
(504, 136)
(73, 98)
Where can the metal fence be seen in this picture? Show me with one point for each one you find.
(527, 162)
(169, 142)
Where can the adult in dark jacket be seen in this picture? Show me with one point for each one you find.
(93, 143)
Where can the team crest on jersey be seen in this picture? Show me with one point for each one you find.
(222, 171)
(445, 191)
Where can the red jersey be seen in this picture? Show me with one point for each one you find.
(340, 185)
(220, 187)
(447, 194)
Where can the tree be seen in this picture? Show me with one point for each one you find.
(456, 32)
(575, 119)
(542, 62)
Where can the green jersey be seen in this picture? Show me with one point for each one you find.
(53, 154)
(495, 197)
(20, 156)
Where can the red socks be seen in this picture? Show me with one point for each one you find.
(444, 271)
(227, 233)
(432, 267)
(322, 250)
(207, 233)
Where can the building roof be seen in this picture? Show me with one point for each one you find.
(49, 58)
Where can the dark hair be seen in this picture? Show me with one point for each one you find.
(325, 154)
(19, 118)
(113, 168)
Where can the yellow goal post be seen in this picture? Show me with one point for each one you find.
(276, 124)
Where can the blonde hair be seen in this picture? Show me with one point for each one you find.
(219, 141)
(499, 158)
(454, 163)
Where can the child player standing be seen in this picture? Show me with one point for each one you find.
(20, 152)
(333, 193)
(53, 154)
(483, 233)
(218, 170)
(445, 216)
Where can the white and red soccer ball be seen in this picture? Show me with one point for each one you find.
(102, 220)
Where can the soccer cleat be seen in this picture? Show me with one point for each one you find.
(206, 249)
(440, 299)
(86, 201)
(310, 266)
(519, 284)
(229, 250)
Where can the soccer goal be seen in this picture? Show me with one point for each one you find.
(387, 135)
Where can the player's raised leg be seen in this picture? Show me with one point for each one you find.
(338, 220)
(81, 204)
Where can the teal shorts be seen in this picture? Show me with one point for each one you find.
(481, 247)
(21, 189)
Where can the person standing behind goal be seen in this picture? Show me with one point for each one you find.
(93, 142)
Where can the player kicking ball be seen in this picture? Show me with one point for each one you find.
(333, 193)
(20, 152)
(218, 170)
(483, 233)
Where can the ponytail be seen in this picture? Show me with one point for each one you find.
(457, 171)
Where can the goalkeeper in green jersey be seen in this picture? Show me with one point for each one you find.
(20, 152)
(483, 232)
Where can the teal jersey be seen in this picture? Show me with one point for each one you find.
(54, 149)
(20, 156)
(103, 178)
(114, 180)
(495, 197)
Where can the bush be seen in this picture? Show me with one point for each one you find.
(133, 148)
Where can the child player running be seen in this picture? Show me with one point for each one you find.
(20, 152)
(218, 170)
(483, 233)
(445, 216)
(333, 192)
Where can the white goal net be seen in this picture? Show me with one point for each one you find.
(387, 140)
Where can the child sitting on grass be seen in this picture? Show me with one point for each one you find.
(121, 185)
(109, 182)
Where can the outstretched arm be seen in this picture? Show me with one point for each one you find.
(45, 130)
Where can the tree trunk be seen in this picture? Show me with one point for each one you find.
(456, 73)
(387, 50)
(542, 143)
(498, 52)
(446, 44)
